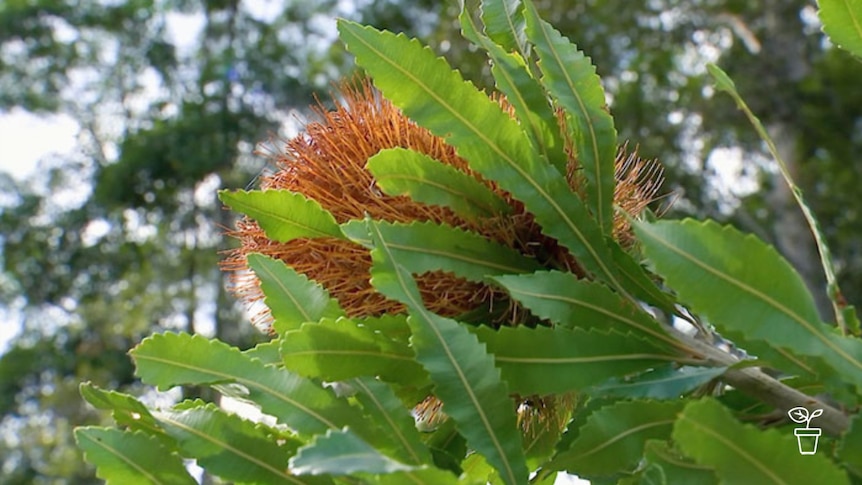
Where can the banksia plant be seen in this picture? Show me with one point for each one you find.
(461, 288)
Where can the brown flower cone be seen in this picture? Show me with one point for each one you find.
(327, 163)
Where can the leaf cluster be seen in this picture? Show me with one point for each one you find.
(600, 382)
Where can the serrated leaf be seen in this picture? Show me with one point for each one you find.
(427, 246)
(523, 92)
(292, 298)
(383, 407)
(335, 350)
(850, 449)
(709, 265)
(342, 453)
(724, 83)
(228, 446)
(283, 215)
(436, 97)
(637, 282)
(842, 22)
(675, 467)
(130, 457)
(663, 382)
(741, 453)
(125, 409)
(565, 300)
(170, 359)
(266, 352)
(399, 171)
(464, 375)
(612, 439)
(504, 23)
(572, 80)
(543, 360)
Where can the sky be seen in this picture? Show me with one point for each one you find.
(25, 138)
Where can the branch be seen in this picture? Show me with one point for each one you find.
(757, 384)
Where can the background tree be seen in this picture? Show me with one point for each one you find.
(123, 236)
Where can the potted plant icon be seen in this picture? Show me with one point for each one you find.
(806, 437)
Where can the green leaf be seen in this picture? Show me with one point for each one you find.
(572, 80)
(399, 171)
(850, 449)
(342, 453)
(741, 453)
(125, 409)
(423, 476)
(565, 300)
(228, 446)
(524, 93)
(426, 246)
(463, 372)
(636, 281)
(266, 352)
(383, 407)
(710, 265)
(504, 23)
(675, 467)
(724, 83)
(436, 97)
(612, 439)
(283, 215)
(291, 297)
(842, 22)
(130, 457)
(335, 350)
(170, 359)
(543, 360)
(663, 382)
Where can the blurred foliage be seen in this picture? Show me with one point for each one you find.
(163, 123)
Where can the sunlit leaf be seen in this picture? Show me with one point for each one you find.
(504, 23)
(342, 453)
(426, 246)
(229, 446)
(399, 171)
(335, 350)
(170, 359)
(523, 92)
(130, 458)
(125, 409)
(842, 21)
(283, 215)
(571, 79)
(436, 97)
(291, 297)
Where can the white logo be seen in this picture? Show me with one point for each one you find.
(806, 437)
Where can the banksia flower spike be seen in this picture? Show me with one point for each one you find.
(327, 163)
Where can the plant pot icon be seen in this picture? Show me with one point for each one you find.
(807, 439)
